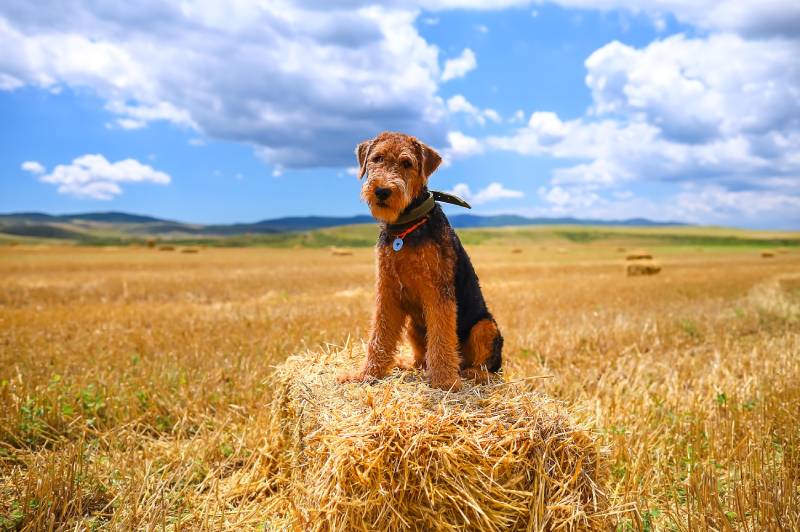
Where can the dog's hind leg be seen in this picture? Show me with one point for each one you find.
(482, 351)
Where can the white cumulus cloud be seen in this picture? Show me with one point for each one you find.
(460, 146)
(716, 113)
(747, 17)
(302, 82)
(692, 90)
(459, 104)
(93, 176)
(568, 199)
(714, 203)
(34, 167)
(547, 127)
(701, 204)
(459, 66)
(495, 191)
(679, 111)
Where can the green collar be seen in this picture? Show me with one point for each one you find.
(406, 219)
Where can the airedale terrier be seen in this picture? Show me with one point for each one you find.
(425, 281)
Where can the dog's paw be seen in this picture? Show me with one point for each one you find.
(452, 384)
(404, 364)
(358, 376)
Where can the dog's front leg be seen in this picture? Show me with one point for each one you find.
(442, 355)
(387, 325)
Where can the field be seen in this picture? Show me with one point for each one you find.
(135, 382)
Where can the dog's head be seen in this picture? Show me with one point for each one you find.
(397, 168)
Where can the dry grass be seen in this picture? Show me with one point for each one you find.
(136, 385)
(400, 454)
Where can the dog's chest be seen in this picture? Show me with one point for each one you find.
(416, 270)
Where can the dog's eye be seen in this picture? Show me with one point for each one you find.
(407, 163)
(377, 159)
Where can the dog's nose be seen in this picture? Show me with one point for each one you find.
(383, 193)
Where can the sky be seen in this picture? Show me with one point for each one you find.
(217, 112)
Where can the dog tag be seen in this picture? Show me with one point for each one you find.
(397, 245)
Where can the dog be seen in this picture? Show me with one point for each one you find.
(425, 284)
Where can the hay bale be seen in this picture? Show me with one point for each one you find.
(767, 254)
(639, 255)
(400, 455)
(642, 267)
(190, 250)
(621, 250)
(166, 248)
(516, 250)
(338, 252)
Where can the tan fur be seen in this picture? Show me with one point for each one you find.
(415, 291)
(481, 376)
(421, 276)
(415, 333)
(478, 346)
(387, 323)
(384, 161)
(476, 350)
(410, 284)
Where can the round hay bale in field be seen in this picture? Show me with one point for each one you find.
(516, 250)
(337, 252)
(642, 267)
(166, 248)
(190, 250)
(639, 255)
(767, 254)
(398, 454)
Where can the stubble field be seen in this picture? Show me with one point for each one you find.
(134, 383)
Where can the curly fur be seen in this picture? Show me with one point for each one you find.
(429, 288)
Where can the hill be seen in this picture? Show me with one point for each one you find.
(316, 232)
(508, 220)
(119, 228)
(106, 217)
(102, 226)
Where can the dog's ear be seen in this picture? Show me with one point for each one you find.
(362, 153)
(430, 160)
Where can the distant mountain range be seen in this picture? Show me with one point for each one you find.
(76, 226)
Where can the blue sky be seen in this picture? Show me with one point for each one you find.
(217, 113)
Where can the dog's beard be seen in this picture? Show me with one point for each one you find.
(387, 210)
